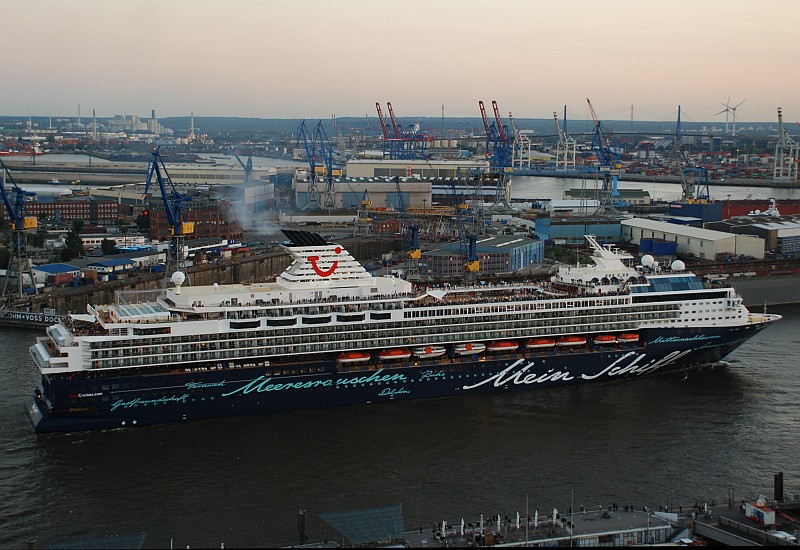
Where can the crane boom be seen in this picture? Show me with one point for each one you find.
(382, 120)
(172, 199)
(500, 130)
(398, 132)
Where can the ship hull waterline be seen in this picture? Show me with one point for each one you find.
(133, 401)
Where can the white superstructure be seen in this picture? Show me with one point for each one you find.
(325, 303)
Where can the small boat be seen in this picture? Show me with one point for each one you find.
(394, 353)
(604, 339)
(539, 343)
(628, 338)
(428, 352)
(353, 357)
(469, 349)
(571, 341)
(505, 345)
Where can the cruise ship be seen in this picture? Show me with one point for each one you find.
(327, 333)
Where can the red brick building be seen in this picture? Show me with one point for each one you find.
(93, 211)
(211, 218)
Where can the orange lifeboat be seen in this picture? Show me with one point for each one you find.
(353, 357)
(469, 349)
(505, 345)
(394, 353)
(571, 341)
(628, 338)
(539, 343)
(604, 339)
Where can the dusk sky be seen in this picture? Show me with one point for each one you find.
(311, 59)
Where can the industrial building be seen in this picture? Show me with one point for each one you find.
(385, 193)
(572, 230)
(415, 168)
(781, 235)
(705, 244)
(499, 254)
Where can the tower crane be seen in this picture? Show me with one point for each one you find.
(608, 163)
(19, 263)
(173, 207)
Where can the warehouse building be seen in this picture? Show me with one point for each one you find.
(705, 244)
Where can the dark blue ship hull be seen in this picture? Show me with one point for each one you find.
(63, 405)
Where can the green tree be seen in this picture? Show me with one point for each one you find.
(108, 247)
(73, 245)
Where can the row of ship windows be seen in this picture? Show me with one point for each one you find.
(470, 325)
(553, 317)
(252, 349)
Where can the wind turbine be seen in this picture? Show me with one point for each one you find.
(730, 110)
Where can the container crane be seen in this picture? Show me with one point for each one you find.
(173, 207)
(410, 232)
(566, 148)
(501, 141)
(19, 263)
(609, 166)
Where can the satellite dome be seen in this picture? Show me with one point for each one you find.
(677, 265)
(647, 260)
(178, 279)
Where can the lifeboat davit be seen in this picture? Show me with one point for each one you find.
(628, 338)
(571, 341)
(428, 352)
(469, 349)
(505, 345)
(604, 339)
(353, 357)
(539, 343)
(394, 353)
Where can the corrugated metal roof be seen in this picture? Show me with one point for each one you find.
(54, 269)
(675, 229)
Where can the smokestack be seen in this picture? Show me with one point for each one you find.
(94, 125)
(79, 113)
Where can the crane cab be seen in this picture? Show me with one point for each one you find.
(27, 222)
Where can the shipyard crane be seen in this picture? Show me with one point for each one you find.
(312, 202)
(326, 152)
(467, 241)
(19, 263)
(410, 232)
(173, 202)
(608, 163)
(247, 167)
(691, 176)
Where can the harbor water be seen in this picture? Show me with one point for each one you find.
(669, 439)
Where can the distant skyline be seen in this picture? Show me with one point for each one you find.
(314, 58)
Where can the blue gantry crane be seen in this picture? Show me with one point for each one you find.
(608, 164)
(20, 223)
(309, 143)
(247, 167)
(173, 202)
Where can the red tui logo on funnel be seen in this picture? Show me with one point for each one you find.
(325, 272)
